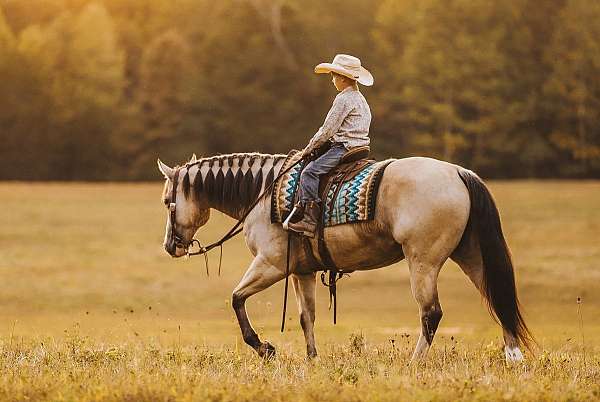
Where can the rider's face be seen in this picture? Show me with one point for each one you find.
(338, 81)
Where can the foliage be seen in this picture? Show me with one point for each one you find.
(78, 368)
(573, 86)
(97, 89)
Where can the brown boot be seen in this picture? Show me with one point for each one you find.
(308, 225)
(297, 213)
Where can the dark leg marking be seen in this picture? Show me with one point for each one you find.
(264, 349)
(430, 321)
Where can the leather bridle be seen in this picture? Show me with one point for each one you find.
(236, 229)
(333, 277)
(177, 238)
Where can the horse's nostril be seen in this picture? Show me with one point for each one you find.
(170, 248)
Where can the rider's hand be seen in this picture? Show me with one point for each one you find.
(305, 152)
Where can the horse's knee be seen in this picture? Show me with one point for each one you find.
(237, 300)
(430, 320)
(306, 320)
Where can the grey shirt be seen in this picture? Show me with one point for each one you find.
(347, 122)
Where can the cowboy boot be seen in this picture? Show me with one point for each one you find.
(295, 216)
(308, 225)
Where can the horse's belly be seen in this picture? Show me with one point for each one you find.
(354, 247)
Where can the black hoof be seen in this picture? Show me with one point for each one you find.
(266, 350)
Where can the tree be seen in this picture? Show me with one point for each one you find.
(246, 95)
(395, 23)
(87, 80)
(573, 87)
(161, 102)
(455, 80)
(9, 71)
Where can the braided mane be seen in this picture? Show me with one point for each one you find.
(234, 186)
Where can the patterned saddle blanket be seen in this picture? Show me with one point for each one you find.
(348, 201)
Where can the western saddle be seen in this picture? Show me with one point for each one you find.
(350, 165)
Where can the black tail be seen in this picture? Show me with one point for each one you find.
(498, 273)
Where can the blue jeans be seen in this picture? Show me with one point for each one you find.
(309, 179)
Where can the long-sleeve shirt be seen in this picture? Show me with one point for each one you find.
(347, 122)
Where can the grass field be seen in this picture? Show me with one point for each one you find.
(92, 308)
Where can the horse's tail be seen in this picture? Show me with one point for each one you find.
(498, 273)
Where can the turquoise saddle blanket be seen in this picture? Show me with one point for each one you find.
(354, 202)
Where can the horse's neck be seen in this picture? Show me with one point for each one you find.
(233, 182)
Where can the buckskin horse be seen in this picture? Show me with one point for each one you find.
(427, 211)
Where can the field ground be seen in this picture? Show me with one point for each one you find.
(92, 308)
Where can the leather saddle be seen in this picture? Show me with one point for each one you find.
(351, 163)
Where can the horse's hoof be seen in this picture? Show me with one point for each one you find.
(513, 354)
(266, 350)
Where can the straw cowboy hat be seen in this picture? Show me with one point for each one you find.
(348, 66)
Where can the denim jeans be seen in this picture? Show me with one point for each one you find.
(309, 179)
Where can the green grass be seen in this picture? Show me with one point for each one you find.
(91, 307)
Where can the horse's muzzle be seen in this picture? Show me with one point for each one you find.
(174, 251)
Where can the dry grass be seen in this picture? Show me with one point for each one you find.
(93, 309)
(76, 368)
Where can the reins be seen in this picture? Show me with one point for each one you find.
(234, 231)
(334, 274)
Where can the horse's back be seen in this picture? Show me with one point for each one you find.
(420, 201)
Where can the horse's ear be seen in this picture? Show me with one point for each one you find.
(165, 170)
(193, 158)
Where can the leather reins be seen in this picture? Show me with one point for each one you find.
(235, 230)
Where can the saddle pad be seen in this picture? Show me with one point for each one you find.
(284, 189)
(354, 202)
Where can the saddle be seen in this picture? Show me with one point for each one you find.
(351, 163)
(348, 194)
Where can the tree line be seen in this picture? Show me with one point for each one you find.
(97, 89)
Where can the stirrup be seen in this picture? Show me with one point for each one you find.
(311, 235)
(304, 233)
(287, 220)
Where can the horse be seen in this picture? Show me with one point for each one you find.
(427, 211)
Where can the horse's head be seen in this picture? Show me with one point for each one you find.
(188, 211)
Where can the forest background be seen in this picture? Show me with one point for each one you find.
(98, 89)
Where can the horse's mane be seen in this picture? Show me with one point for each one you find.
(225, 190)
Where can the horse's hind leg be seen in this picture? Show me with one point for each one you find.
(304, 286)
(423, 282)
(468, 257)
(258, 277)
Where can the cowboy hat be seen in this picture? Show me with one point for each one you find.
(348, 66)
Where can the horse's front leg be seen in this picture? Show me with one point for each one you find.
(304, 286)
(259, 276)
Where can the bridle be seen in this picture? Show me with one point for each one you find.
(177, 238)
(236, 229)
